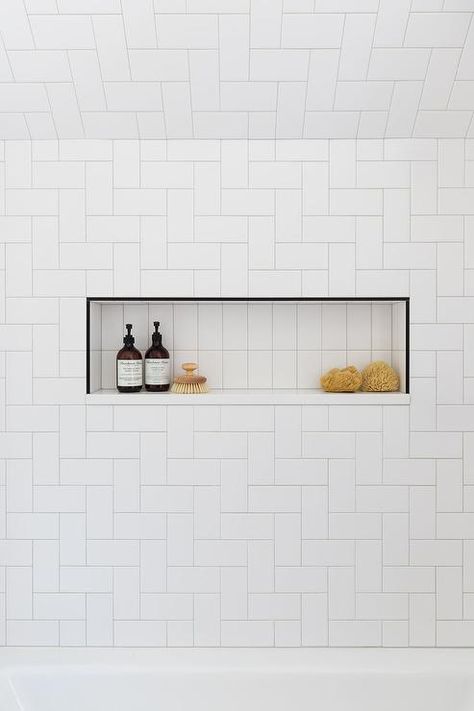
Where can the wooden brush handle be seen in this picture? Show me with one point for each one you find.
(189, 367)
(190, 377)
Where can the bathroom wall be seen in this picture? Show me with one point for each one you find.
(235, 525)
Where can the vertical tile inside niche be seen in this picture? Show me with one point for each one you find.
(284, 327)
(333, 336)
(334, 326)
(112, 340)
(399, 326)
(309, 327)
(95, 325)
(359, 327)
(234, 345)
(399, 341)
(285, 344)
(260, 326)
(95, 344)
(382, 332)
(260, 340)
(112, 326)
(234, 326)
(395, 330)
(359, 334)
(137, 314)
(185, 326)
(210, 342)
(210, 327)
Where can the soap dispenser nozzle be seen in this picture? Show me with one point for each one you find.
(129, 339)
(156, 337)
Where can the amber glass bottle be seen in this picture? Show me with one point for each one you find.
(157, 364)
(129, 365)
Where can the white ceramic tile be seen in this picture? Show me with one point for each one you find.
(334, 326)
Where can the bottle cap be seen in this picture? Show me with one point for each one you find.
(156, 336)
(129, 339)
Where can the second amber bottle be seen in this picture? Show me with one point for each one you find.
(157, 364)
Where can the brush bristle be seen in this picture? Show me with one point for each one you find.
(189, 388)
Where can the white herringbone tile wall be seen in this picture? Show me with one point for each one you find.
(236, 69)
(228, 525)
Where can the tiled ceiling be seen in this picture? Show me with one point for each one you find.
(236, 68)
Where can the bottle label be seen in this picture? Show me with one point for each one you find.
(129, 373)
(157, 371)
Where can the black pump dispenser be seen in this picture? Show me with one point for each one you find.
(129, 339)
(156, 335)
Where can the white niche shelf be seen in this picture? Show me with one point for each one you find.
(248, 397)
(253, 351)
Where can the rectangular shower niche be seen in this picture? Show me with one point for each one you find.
(252, 350)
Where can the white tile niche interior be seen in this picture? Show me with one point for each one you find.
(246, 345)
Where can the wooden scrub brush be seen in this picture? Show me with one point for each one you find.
(190, 383)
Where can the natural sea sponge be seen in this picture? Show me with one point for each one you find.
(341, 380)
(380, 377)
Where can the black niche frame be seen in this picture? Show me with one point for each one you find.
(249, 299)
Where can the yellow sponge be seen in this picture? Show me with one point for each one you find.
(341, 380)
(380, 377)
